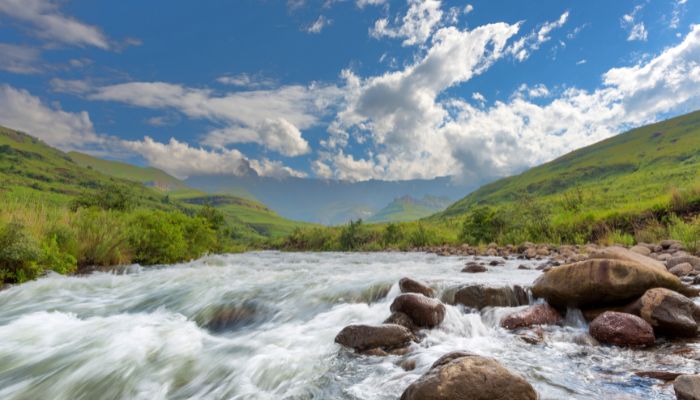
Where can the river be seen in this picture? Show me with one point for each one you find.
(149, 333)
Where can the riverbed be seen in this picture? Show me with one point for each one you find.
(151, 333)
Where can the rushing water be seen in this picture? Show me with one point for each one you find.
(149, 333)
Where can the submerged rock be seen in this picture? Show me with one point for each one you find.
(367, 337)
(539, 314)
(229, 317)
(687, 387)
(408, 285)
(622, 329)
(665, 376)
(481, 296)
(465, 376)
(600, 282)
(474, 268)
(668, 312)
(423, 311)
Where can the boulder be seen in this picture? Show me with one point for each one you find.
(687, 387)
(423, 311)
(402, 319)
(681, 270)
(622, 329)
(692, 260)
(481, 296)
(539, 314)
(667, 244)
(465, 376)
(367, 337)
(668, 312)
(474, 268)
(599, 282)
(620, 253)
(408, 285)
(643, 250)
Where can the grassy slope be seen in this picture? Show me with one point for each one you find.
(406, 209)
(629, 172)
(244, 212)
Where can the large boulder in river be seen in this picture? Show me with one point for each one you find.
(622, 329)
(481, 296)
(424, 311)
(539, 314)
(408, 285)
(366, 337)
(687, 387)
(620, 253)
(599, 282)
(668, 312)
(465, 376)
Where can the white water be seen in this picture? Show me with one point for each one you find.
(141, 335)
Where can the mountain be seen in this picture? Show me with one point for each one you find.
(328, 202)
(633, 171)
(30, 168)
(407, 208)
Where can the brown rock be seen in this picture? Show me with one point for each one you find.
(464, 376)
(366, 337)
(402, 319)
(643, 250)
(668, 312)
(408, 365)
(408, 285)
(480, 296)
(682, 269)
(423, 311)
(687, 387)
(665, 376)
(620, 253)
(474, 268)
(599, 282)
(692, 260)
(539, 314)
(621, 329)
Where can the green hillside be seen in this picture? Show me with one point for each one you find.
(407, 208)
(628, 173)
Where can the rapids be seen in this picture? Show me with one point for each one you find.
(148, 333)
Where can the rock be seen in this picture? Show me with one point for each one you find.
(495, 263)
(620, 253)
(464, 376)
(622, 329)
(474, 268)
(402, 319)
(585, 339)
(696, 280)
(643, 250)
(667, 244)
(668, 312)
(589, 314)
(366, 337)
(692, 260)
(408, 365)
(682, 269)
(423, 311)
(535, 336)
(539, 314)
(480, 296)
(665, 376)
(687, 387)
(376, 352)
(230, 317)
(599, 282)
(521, 266)
(408, 285)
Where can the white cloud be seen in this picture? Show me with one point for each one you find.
(677, 13)
(416, 27)
(581, 61)
(275, 169)
(468, 8)
(318, 25)
(19, 59)
(248, 81)
(638, 32)
(637, 29)
(363, 3)
(478, 97)
(22, 111)
(522, 47)
(271, 118)
(50, 24)
(72, 86)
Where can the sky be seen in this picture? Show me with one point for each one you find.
(343, 89)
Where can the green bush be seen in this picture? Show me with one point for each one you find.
(354, 235)
(393, 234)
(101, 236)
(482, 225)
(109, 197)
(52, 258)
(19, 254)
(687, 233)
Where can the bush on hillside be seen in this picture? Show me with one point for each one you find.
(355, 235)
(109, 197)
(52, 258)
(393, 235)
(19, 254)
(482, 225)
(687, 233)
(101, 236)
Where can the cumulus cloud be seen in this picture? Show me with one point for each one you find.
(416, 27)
(22, 111)
(272, 118)
(19, 59)
(49, 23)
(523, 47)
(318, 25)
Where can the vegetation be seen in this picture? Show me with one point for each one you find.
(407, 208)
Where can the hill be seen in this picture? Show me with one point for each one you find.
(407, 208)
(631, 172)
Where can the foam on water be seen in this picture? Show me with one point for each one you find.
(141, 334)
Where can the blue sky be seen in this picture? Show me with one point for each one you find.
(343, 89)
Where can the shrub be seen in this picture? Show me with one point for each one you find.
(54, 259)
(482, 225)
(393, 234)
(651, 232)
(102, 237)
(19, 253)
(617, 237)
(687, 233)
(309, 239)
(354, 235)
(422, 236)
(108, 197)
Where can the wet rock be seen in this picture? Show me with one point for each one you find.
(622, 329)
(495, 263)
(376, 352)
(402, 319)
(599, 282)
(692, 260)
(589, 314)
(524, 267)
(668, 312)
(462, 376)
(366, 337)
(534, 336)
(687, 387)
(665, 376)
(408, 285)
(423, 311)
(481, 296)
(539, 314)
(229, 317)
(620, 253)
(682, 269)
(474, 268)
(643, 250)
(585, 339)
(408, 365)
